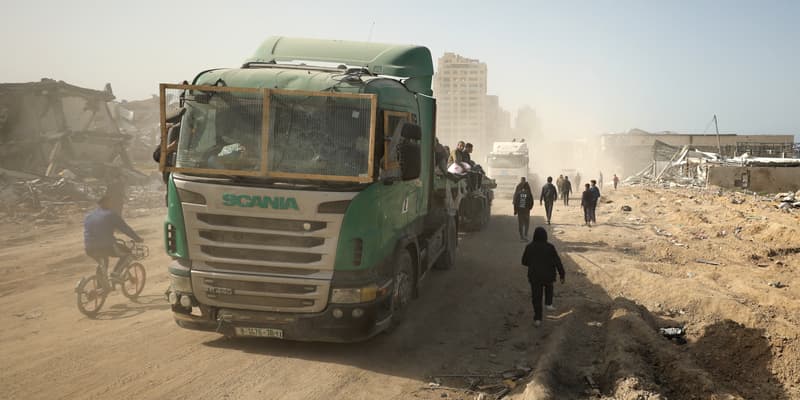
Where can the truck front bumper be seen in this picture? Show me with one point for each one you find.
(323, 327)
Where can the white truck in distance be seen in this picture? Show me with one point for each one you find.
(508, 162)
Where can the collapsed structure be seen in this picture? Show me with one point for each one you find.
(682, 165)
(768, 163)
(64, 143)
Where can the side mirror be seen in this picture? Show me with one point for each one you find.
(410, 161)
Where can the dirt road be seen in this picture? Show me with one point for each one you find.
(635, 272)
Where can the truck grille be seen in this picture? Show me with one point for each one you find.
(260, 292)
(237, 221)
(260, 286)
(260, 255)
(247, 268)
(262, 259)
(506, 184)
(261, 239)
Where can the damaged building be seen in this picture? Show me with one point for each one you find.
(633, 151)
(63, 145)
(51, 128)
(687, 165)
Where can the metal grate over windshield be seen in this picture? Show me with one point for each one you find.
(269, 133)
(221, 131)
(312, 134)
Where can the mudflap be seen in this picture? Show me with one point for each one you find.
(473, 212)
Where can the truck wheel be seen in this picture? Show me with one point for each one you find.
(448, 258)
(403, 287)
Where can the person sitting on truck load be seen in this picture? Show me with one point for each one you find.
(466, 155)
(456, 164)
(440, 155)
(457, 155)
(476, 171)
(98, 236)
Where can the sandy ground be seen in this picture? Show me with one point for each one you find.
(633, 273)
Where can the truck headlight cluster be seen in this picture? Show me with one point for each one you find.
(354, 295)
(180, 283)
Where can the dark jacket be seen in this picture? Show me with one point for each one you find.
(542, 259)
(99, 227)
(523, 199)
(587, 199)
(549, 193)
(595, 192)
(566, 187)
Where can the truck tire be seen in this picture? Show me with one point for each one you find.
(403, 287)
(448, 258)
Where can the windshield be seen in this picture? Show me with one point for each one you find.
(297, 134)
(318, 135)
(221, 132)
(508, 161)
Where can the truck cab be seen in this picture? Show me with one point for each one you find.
(303, 200)
(508, 162)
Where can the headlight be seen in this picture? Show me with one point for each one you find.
(354, 295)
(186, 196)
(181, 283)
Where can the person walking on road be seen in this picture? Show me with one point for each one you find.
(616, 181)
(566, 189)
(595, 198)
(523, 203)
(587, 198)
(543, 263)
(548, 197)
(560, 183)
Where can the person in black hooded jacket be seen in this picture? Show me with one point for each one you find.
(543, 263)
(523, 202)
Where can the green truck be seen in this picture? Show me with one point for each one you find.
(306, 196)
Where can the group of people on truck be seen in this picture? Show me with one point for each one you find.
(460, 163)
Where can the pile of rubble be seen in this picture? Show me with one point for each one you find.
(49, 200)
(674, 166)
(788, 201)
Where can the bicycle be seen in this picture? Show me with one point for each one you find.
(92, 290)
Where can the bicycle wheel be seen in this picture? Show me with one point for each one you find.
(91, 296)
(133, 280)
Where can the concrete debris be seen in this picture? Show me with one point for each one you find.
(699, 236)
(491, 385)
(661, 232)
(47, 200)
(777, 285)
(627, 208)
(701, 261)
(678, 334)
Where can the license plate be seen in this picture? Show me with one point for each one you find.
(259, 332)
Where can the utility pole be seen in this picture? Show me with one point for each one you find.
(719, 145)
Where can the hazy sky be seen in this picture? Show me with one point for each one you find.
(586, 66)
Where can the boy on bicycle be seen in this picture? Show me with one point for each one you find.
(98, 236)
